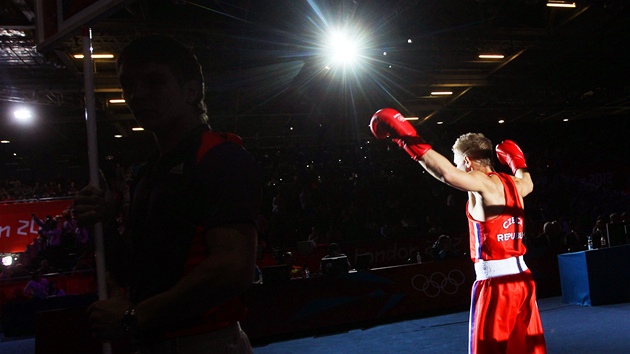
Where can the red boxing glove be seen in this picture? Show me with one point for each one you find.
(388, 122)
(510, 154)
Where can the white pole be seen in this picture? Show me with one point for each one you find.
(90, 119)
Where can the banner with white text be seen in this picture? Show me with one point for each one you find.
(17, 227)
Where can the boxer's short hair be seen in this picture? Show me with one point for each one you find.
(476, 146)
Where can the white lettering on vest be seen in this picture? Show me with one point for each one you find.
(508, 236)
(511, 221)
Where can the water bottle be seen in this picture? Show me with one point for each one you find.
(590, 242)
(418, 258)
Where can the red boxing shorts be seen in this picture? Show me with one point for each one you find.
(504, 316)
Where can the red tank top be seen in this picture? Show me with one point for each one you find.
(501, 237)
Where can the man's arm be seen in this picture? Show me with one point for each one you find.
(443, 170)
(37, 220)
(227, 271)
(524, 182)
(389, 123)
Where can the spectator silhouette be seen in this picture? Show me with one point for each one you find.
(37, 287)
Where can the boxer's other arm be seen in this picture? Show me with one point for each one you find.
(524, 182)
(511, 154)
(508, 153)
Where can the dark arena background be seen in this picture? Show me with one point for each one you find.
(553, 79)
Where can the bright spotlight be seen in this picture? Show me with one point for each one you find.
(343, 49)
(23, 115)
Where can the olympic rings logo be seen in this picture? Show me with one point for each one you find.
(439, 282)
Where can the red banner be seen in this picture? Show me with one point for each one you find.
(17, 228)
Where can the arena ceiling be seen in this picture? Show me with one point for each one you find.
(266, 78)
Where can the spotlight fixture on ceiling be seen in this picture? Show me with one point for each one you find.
(96, 56)
(556, 3)
(491, 56)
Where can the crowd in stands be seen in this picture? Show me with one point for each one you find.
(374, 191)
(369, 190)
(17, 190)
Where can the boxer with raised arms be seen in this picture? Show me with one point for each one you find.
(504, 316)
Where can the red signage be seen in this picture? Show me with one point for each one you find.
(17, 227)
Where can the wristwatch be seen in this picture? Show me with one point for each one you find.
(130, 320)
